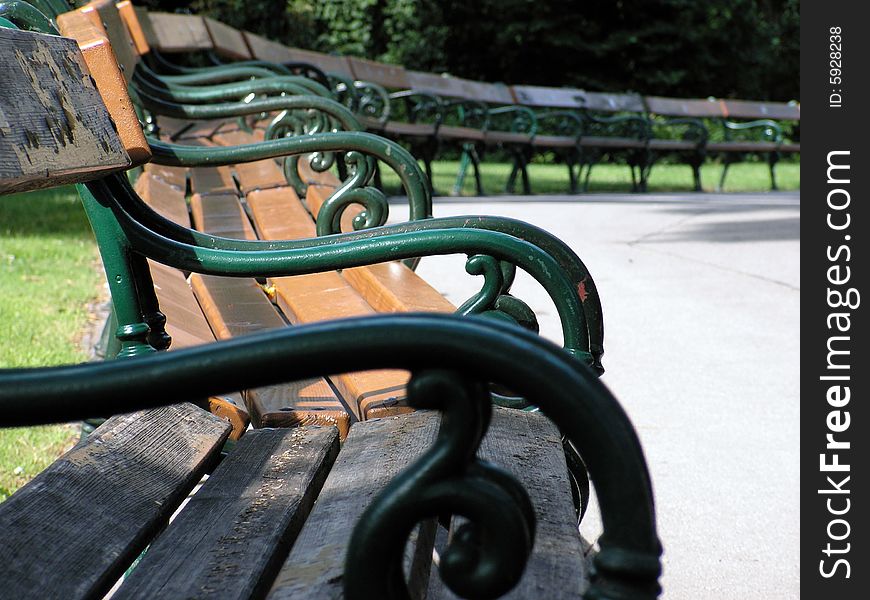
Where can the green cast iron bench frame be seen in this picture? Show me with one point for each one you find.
(34, 395)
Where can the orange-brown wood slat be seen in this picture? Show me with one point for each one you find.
(222, 215)
(278, 214)
(257, 175)
(185, 322)
(235, 306)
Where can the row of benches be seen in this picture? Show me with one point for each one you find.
(239, 244)
(582, 128)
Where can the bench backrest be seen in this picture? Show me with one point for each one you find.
(547, 97)
(744, 109)
(60, 130)
(684, 107)
(603, 102)
(101, 62)
(265, 49)
(228, 42)
(173, 33)
(448, 86)
(383, 74)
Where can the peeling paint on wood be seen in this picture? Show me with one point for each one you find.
(54, 127)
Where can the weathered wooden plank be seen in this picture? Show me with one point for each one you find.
(73, 530)
(54, 127)
(178, 33)
(373, 454)
(100, 59)
(387, 75)
(237, 529)
(684, 107)
(529, 446)
(550, 97)
(228, 41)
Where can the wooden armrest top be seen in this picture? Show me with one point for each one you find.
(54, 128)
(101, 61)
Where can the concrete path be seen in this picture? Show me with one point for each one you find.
(701, 296)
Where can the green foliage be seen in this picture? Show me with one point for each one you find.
(726, 48)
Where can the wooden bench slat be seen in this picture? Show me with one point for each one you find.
(529, 446)
(54, 127)
(103, 66)
(163, 196)
(278, 214)
(106, 15)
(227, 41)
(174, 176)
(237, 307)
(74, 529)
(210, 180)
(185, 322)
(310, 176)
(130, 18)
(387, 287)
(178, 33)
(221, 214)
(257, 175)
(236, 531)
(375, 451)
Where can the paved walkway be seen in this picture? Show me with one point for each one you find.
(701, 296)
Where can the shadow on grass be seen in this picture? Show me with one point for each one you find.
(56, 213)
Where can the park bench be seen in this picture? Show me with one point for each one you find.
(79, 526)
(580, 128)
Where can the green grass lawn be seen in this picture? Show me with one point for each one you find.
(553, 178)
(47, 278)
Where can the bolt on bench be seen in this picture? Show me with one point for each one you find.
(250, 530)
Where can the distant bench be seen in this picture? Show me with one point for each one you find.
(582, 128)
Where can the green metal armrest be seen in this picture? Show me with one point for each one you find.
(451, 361)
(626, 125)
(419, 106)
(770, 130)
(470, 113)
(566, 122)
(374, 101)
(695, 131)
(524, 119)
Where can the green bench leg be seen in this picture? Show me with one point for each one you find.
(729, 158)
(471, 157)
(520, 166)
(772, 159)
